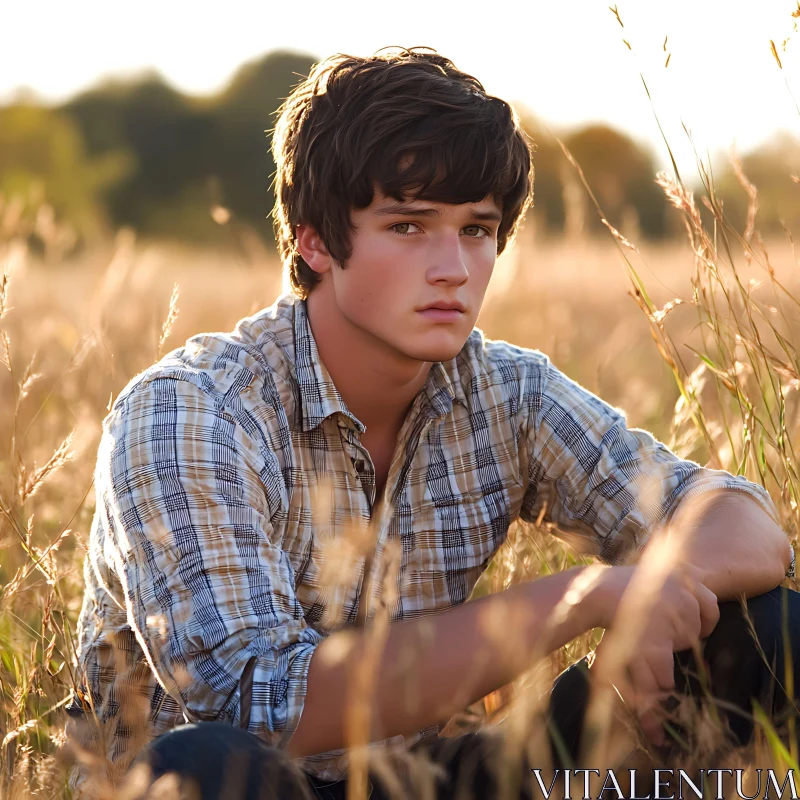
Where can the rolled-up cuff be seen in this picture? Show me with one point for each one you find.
(718, 480)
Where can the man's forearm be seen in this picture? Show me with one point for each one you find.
(738, 546)
(429, 668)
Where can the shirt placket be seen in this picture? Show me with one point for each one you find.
(416, 425)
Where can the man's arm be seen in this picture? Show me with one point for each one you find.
(430, 668)
(186, 499)
(614, 486)
(737, 545)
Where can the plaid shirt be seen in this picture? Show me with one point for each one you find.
(205, 593)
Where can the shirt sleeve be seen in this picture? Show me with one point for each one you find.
(189, 498)
(603, 485)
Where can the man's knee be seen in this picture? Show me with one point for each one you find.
(764, 628)
(744, 657)
(214, 760)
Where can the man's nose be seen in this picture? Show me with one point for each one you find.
(448, 264)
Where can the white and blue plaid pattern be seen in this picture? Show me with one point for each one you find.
(206, 554)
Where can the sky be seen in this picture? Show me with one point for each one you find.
(564, 61)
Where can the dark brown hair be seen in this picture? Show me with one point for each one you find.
(406, 120)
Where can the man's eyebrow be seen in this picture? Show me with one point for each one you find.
(409, 210)
(406, 209)
(490, 216)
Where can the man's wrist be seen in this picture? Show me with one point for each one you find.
(790, 573)
(607, 593)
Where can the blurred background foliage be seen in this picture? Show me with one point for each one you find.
(139, 153)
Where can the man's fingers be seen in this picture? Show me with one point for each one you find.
(650, 676)
(651, 721)
(662, 667)
(707, 600)
(649, 680)
(709, 610)
(688, 626)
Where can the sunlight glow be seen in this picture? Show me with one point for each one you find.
(566, 62)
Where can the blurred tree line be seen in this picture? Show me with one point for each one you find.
(142, 154)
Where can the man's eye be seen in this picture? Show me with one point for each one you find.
(477, 232)
(405, 226)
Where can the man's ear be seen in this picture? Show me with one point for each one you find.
(312, 249)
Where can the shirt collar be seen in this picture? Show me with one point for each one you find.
(443, 387)
(320, 399)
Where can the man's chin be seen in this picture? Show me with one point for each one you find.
(439, 351)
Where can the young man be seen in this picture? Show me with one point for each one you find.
(230, 472)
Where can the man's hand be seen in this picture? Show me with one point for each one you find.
(664, 609)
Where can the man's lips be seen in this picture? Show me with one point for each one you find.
(442, 313)
(444, 305)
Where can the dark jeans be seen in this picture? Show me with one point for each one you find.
(225, 762)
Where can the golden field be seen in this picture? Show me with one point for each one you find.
(75, 330)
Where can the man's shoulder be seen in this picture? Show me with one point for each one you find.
(223, 365)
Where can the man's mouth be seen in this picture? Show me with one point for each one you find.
(444, 311)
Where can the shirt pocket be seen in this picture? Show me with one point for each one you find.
(458, 533)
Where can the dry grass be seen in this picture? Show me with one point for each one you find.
(72, 333)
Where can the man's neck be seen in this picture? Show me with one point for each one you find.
(378, 385)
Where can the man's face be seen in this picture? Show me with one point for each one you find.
(418, 273)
